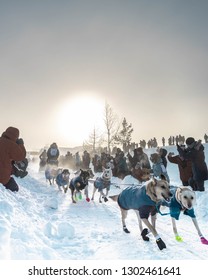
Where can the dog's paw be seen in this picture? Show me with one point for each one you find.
(178, 238)
(105, 199)
(125, 229)
(88, 199)
(160, 244)
(144, 234)
(204, 241)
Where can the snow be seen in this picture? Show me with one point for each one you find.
(40, 222)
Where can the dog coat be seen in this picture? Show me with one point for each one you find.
(74, 181)
(101, 184)
(134, 198)
(176, 208)
(61, 181)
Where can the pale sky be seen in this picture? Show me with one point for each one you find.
(148, 59)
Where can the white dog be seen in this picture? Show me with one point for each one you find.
(183, 200)
(101, 183)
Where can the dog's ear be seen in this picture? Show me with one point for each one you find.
(185, 187)
(180, 189)
(190, 188)
(154, 181)
(162, 177)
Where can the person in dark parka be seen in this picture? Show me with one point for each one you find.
(184, 167)
(163, 153)
(195, 152)
(11, 150)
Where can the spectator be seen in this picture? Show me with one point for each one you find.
(184, 166)
(121, 166)
(140, 158)
(86, 160)
(77, 160)
(43, 159)
(53, 154)
(195, 153)
(163, 152)
(12, 152)
(158, 168)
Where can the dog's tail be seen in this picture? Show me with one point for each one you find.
(114, 197)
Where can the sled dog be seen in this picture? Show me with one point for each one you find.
(79, 183)
(144, 200)
(101, 183)
(183, 200)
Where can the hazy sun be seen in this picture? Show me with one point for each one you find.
(78, 116)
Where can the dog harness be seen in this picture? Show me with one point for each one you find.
(101, 184)
(176, 208)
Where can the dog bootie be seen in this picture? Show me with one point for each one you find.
(204, 241)
(105, 199)
(178, 238)
(78, 196)
(160, 244)
(125, 229)
(88, 200)
(144, 234)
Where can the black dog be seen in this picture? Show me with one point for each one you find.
(79, 183)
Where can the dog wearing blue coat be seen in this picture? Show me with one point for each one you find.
(103, 183)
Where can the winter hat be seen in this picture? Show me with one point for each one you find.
(11, 133)
(190, 141)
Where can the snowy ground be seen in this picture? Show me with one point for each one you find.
(41, 223)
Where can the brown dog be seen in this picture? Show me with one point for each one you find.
(143, 200)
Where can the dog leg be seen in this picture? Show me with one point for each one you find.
(72, 195)
(104, 196)
(123, 218)
(203, 240)
(153, 220)
(197, 227)
(139, 220)
(144, 231)
(86, 193)
(100, 198)
(175, 231)
(159, 241)
(93, 194)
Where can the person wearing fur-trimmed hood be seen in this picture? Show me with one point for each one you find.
(11, 150)
(195, 152)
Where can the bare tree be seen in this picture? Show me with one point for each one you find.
(94, 141)
(111, 124)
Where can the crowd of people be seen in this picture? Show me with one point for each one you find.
(190, 160)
